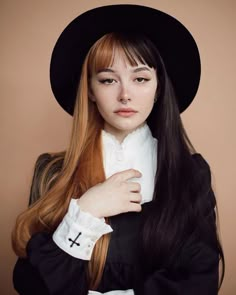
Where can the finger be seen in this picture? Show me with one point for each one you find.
(135, 207)
(127, 174)
(135, 197)
(134, 186)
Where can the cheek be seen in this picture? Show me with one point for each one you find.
(103, 106)
(147, 101)
(147, 96)
(101, 94)
(148, 106)
(104, 97)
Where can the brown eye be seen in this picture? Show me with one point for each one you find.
(141, 79)
(107, 81)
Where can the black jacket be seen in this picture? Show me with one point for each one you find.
(49, 270)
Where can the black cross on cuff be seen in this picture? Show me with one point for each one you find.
(74, 241)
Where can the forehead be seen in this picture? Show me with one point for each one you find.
(120, 58)
(115, 58)
(108, 50)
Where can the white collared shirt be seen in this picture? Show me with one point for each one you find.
(137, 151)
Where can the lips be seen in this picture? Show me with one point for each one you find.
(125, 110)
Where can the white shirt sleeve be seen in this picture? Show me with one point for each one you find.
(115, 292)
(79, 231)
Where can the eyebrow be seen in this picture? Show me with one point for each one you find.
(108, 70)
(142, 69)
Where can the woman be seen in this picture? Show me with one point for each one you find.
(116, 213)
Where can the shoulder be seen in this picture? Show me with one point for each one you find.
(49, 163)
(42, 162)
(203, 181)
(46, 167)
(201, 165)
(52, 162)
(200, 160)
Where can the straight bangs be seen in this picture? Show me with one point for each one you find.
(134, 48)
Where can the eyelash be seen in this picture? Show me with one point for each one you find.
(143, 79)
(107, 81)
(111, 81)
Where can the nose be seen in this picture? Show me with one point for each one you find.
(124, 95)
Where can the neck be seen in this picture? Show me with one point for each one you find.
(120, 135)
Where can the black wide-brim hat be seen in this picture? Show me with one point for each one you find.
(174, 42)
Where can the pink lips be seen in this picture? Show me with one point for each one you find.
(125, 112)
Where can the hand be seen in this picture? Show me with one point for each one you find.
(114, 196)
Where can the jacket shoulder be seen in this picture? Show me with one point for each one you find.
(50, 162)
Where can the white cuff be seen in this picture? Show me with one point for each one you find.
(79, 231)
(115, 292)
(118, 292)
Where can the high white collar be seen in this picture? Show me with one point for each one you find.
(138, 151)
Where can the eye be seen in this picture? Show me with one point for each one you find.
(141, 79)
(107, 81)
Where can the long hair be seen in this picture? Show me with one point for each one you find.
(176, 208)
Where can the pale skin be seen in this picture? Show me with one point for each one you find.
(109, 88)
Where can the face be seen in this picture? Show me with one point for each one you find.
(124, 95)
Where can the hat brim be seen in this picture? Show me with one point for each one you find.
(174, 42)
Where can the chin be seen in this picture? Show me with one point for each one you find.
(130, 128)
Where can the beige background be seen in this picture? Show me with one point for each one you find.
(32, 122)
